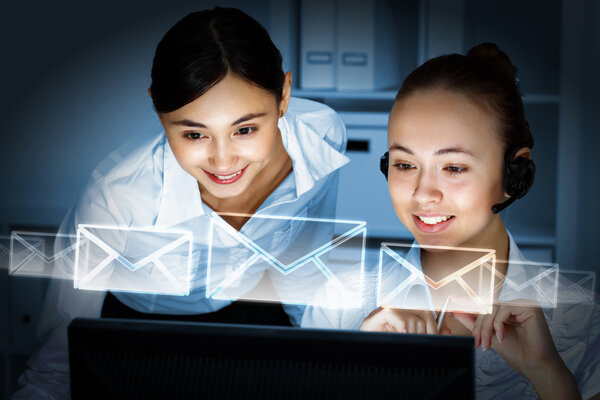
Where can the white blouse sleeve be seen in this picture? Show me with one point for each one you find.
(47, 376)
(588, 373)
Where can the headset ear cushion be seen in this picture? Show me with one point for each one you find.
(519, 177)
(384, 164)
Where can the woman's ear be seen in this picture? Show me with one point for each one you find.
(286, 93)
(524, 152)
(150, 92)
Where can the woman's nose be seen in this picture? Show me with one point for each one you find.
(222, 157)
(427, 189)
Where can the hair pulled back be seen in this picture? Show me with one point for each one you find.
(488, 77)
(199, 51)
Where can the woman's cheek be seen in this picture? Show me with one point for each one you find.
(258, 150)
(190, 157)
(401, 197)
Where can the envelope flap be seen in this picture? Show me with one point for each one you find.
(398, 276)
(3, 249)
(136, 247)
(532, 273)
(398, 254)
(577, 279)
(479, 261)
(577, 286)
(40, 244)
(293, 241)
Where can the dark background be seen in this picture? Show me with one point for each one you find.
(74, 77)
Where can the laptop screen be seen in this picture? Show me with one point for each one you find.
(111, 358)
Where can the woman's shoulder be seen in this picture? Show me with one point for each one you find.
(143, 153)
(319, 118)
(575, 316)
(575, 330)
(126, 185)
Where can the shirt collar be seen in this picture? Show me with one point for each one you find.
(312, 157)
(515, 271)
(180, 198)
(524, 274)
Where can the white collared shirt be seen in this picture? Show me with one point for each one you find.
(141, 185)
(575, 330)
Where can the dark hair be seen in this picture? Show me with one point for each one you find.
(487, 76)
(199, 51)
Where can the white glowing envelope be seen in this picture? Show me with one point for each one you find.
(302, 257)
(133, 260)
(4, 252)
(578, 287)
(403, 285)
(528, 281)
(32, 254)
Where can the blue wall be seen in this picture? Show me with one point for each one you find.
(74, 86)
(75, 80)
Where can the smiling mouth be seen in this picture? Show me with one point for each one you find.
(433, 224)
(435, 220)
(226, 179)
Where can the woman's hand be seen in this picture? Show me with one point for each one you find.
(519, 333)
(402, 321)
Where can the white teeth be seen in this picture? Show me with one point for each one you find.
(433, 220)
(224, 177)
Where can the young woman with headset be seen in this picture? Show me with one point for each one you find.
(233, 141)
(459, 153)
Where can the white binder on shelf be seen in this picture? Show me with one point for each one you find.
(317, 44)
(367, 57)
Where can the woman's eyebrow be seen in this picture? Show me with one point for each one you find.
(440, 152)
(451, 150)
(188, 122)
(400, 148)
(194, 124)
(248, 117)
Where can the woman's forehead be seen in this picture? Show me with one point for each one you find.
(431, 121)
(230, 99)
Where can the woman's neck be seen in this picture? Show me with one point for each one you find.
(267, 180)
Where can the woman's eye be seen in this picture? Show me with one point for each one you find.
(246, 130)
(404, 167)
(455, 169)
(194, 135)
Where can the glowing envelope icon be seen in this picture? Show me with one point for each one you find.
(133, 260)
(301, 255)
(402, 283)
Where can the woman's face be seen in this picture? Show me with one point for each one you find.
(227, 136)
(446, 168)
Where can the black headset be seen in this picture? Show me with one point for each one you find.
(519, 174)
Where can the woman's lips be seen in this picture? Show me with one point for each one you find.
(432, 228)
(229, 179)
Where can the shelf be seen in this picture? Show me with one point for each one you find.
(541, 98)
(345, 94)
(390, 95)
(532, 237)
(360, 119)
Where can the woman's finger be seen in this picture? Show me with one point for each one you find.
(376, 322)
(468, 320)
(502, 317)
(411, 325)
(487, 331)
(395, 320)
(431, 324)
(476, 331)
